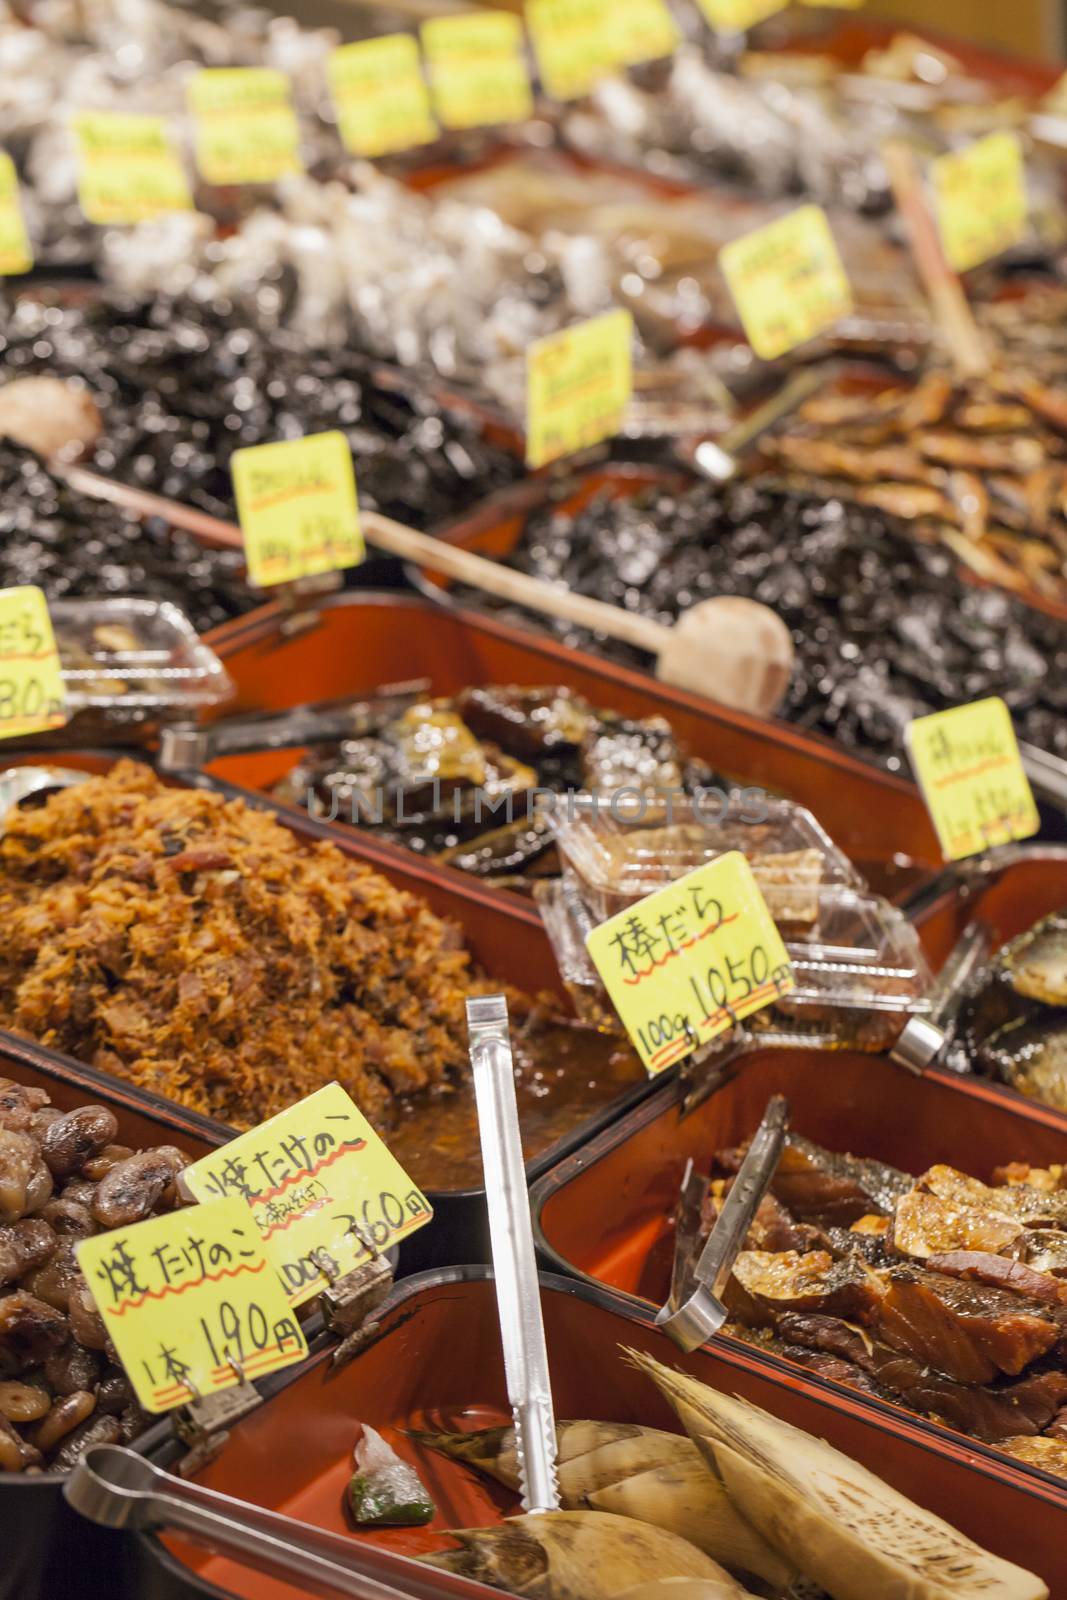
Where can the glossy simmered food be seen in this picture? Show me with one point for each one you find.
(939, 1292)
(1013, 1022)
(64, 1177)
(885, 629)
(181, 384)
(464, 779)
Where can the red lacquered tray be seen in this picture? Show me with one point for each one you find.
(437, 1363)
(604, 1213)
(1007, 889)
(359, 642)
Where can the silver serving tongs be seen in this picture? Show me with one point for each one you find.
(518, 1295)
(719, 459)
(189, 746)
(118, 1488)
(691, 1322)
(923, 1041)
(1047, 774)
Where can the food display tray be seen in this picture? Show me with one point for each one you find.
(437, 1363)
(355, 643)
(506, 939)
(604, 1214)
(48, 1550)
(1007, 889)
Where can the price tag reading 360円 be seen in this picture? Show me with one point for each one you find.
(578, 385)
(324, 1190)
(31, 682)
(190, 1302)
(971, 774)
(686, 963)
(980, 199)
(296, 502)
(787, 281)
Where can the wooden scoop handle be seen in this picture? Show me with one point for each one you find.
(517, 587)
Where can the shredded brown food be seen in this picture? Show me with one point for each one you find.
(197, 948)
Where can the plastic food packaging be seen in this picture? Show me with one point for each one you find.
(621, 854)
(135, 659)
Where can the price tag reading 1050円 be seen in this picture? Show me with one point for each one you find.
(971, 774)
(31, 682)
(296, 502)
(687, 962)
(324, 1190)
(190, 1302)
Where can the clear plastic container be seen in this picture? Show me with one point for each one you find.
(622, 848)
(859, 968)
(135, 659)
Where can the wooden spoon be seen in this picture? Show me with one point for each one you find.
(732, 650)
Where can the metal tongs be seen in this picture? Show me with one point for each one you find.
(695, 1312)
(719, 459)
(518, 1294)
(923, 1041)
(118, 1488)
(1047, 774)
(189, 746)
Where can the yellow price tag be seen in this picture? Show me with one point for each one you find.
(968, 766)
(128, 170)
(787, 281)
(244, 126)
(686, 963)
(737, 16)
(380, 95)
(190, 1302)
(980, 199)
(578, 385)
(296, 502)
(324, 1190)
(31, 682)
(642, 30)
(16, 254)
(477, 68)
(572, 41)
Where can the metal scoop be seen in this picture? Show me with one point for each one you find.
(693, 1321)
(118, 1488)
(20, 783)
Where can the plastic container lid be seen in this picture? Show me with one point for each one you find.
(134, 657)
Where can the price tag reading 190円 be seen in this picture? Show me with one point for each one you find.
(980, 199)
(477, 68)
(324, 1190)
(31, 682)
(244, 126)
(572, 40)
(16, 254)
(296, 502)
(190, 1302)
(128, 170)
(687, 962)
(578, 386)
(968, 766)
(380, 95)
(787, 281)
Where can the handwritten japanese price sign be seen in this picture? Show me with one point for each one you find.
(31, 682)
(477, 69)
(15, 252)
(642, 30)
(128, 170)
(244, 126)
(686, 963)
(572, 43)
(296, 502)
(190, 1302)
(380, 95)
(324, 1190)
(980, 199)
(971, 774)
(737, 16)
(578, 385)
(787, 281)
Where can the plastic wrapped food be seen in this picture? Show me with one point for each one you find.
(385, 1492)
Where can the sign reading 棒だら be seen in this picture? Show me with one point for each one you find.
(190, 1302)
(324, 1190)
(686, 963)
